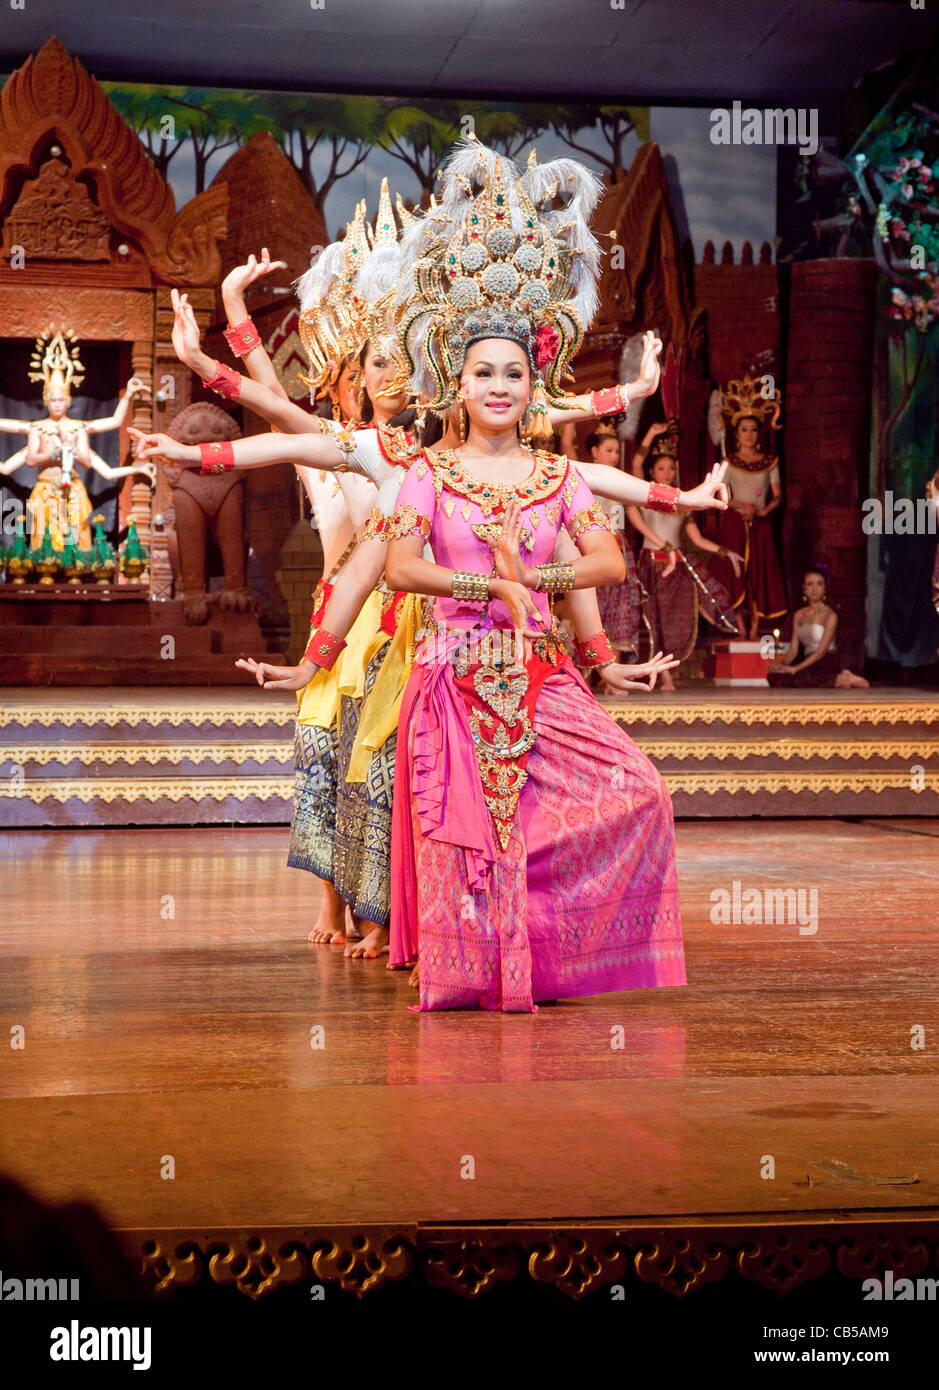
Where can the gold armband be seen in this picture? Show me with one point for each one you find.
(555, 578)
(469, 587)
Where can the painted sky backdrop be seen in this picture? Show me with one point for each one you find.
(720, 192)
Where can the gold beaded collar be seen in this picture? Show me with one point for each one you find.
(397, 445)
(760, 465)
(546, 479)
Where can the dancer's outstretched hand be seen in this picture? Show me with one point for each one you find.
(712, 492)
(254, 268)
(279, 677)
(161, 446)
(187, 342)
(650, 371)
(623, 676)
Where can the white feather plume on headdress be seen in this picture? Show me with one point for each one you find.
(316, 282)
(570, 224)
(379, 274)
(375, 285)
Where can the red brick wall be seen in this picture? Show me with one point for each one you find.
(742, 303)
(827, 419)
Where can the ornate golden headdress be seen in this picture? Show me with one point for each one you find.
(745, 396)
(496, 259)
(332, 320)
(345, 296)
(605, 430)
(56, 364)
(377, 277)
(665, 445)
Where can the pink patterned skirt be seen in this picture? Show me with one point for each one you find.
(583, 900)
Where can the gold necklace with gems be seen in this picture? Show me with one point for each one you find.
(397, 444)
(490, 497)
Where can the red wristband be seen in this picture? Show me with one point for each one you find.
(662, 498)
(609, 402)
(391, 614)
(323, 648)
(226, 382)
(595, 651)
(321, 596)
(242, 337)
(217, 457)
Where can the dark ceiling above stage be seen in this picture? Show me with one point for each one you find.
(786, 51)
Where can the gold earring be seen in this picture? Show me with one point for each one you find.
(524, 431)
(462, 420)
(337, 413)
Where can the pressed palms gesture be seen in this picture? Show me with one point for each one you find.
(505, 550)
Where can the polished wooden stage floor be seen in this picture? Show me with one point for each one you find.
(168, 995)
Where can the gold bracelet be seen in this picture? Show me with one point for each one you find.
(555, 578)
(469, 587)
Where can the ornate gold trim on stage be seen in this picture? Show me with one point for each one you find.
(675, 1255)
(711, 781)
(281, 751)
(152, 789)
(787, 749)
(776, 781)
(874, 752)
(151, 753)
(87, 708)
(154, 713)
(769, 712)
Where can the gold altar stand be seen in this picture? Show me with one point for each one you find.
(141, 756)
(253, 1111)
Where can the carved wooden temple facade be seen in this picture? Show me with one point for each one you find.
(100, 241)
(91, 239)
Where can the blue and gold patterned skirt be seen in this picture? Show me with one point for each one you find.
(362, 844)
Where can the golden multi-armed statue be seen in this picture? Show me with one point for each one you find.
(58, 443)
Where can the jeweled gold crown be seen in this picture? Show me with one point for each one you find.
(332, 325)
(377, 278)
(665, 445)
(744, 396)
(345, 296)
(56, 364)
(497, 259)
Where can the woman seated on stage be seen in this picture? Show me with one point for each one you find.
(813, 629)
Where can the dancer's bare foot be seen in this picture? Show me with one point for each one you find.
(330, 924)
(414, 979)
(847, 680)
(372, 946)
(326, 936)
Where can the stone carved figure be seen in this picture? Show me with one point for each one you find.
(204, 506)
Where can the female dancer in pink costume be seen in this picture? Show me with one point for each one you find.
(533, 854)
